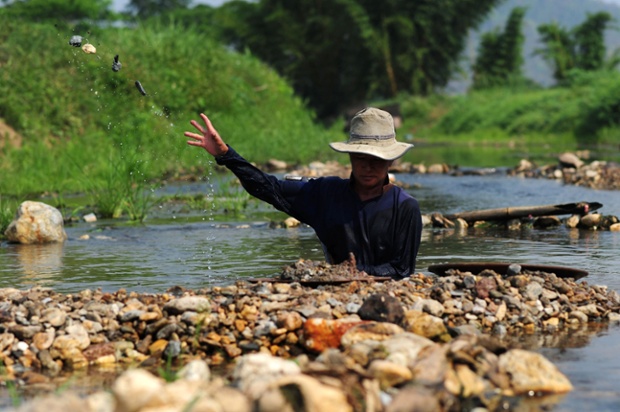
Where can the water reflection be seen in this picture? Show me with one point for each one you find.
(39, 263)
(153, 258)
(593, 370)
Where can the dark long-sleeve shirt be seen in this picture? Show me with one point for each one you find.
(383, 233)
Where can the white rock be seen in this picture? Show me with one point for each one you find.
(404, 348)
(134, 389)
(79, 333)
(90, 218)
(289, 393)
(530, 371)
(89, 48)
(36, 222)
(192, 303)
(196, 370)
(254, 372)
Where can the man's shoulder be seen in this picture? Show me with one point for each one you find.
(329, 181)
(405, 198)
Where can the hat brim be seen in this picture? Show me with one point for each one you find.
(391, 152)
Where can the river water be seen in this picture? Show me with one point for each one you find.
(198, 250)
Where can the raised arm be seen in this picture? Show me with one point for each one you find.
(208, 138)
(259, 184)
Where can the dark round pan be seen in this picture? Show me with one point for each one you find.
(319, 282)
(501, 268)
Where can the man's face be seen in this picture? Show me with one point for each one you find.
(369, 171)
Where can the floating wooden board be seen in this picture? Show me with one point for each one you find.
(506, 213)
(501, 268)
(319, 282)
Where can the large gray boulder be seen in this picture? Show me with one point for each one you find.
(36, 222)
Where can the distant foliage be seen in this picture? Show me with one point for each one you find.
(581, 48)
(57, 10)
(500, 60)
(75, 113)
(340, 53)
(150, 8)
(586, 108)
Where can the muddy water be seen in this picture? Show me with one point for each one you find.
(196, 251)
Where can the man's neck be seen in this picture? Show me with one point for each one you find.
(365, 193)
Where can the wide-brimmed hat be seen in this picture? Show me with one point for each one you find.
(372, 132)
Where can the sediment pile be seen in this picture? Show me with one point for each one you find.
(365, 345)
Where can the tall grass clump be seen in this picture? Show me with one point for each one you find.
(549, 111)
(600, 105)
(7, 213)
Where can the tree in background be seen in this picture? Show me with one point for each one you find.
(58, 10)
(499, 61)
(340, 53)
(581, 48)
(150, 8)
(590, 41)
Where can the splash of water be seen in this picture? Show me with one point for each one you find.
(210, 197)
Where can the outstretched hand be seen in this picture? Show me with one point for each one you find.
(208, 138)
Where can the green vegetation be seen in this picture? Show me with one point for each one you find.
(339, 53)
(7, 212)
(584, 113)
(85, 129)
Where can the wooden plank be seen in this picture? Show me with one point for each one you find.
(507, 213)
(319, 282)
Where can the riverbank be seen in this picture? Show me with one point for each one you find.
(452, 342)
(570, 169)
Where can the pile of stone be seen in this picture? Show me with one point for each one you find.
(590, 221)
(572, 170)
(364, 345)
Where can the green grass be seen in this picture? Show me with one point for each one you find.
(7, 213)
(536, 123)
(86, 129)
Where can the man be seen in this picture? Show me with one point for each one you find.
(365, 216)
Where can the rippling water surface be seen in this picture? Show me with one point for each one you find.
(194, 251)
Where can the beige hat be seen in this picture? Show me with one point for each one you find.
(372, 132)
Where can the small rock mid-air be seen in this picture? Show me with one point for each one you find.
(116, 65)
(140, 88)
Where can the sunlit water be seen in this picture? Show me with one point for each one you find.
(196, 252)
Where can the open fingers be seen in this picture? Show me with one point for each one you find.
(198, 139)
(207, 137)
(210, 129)
(197, 126)
(194, 135)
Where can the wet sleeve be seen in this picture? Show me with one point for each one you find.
(279, 193)
(406, 244)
